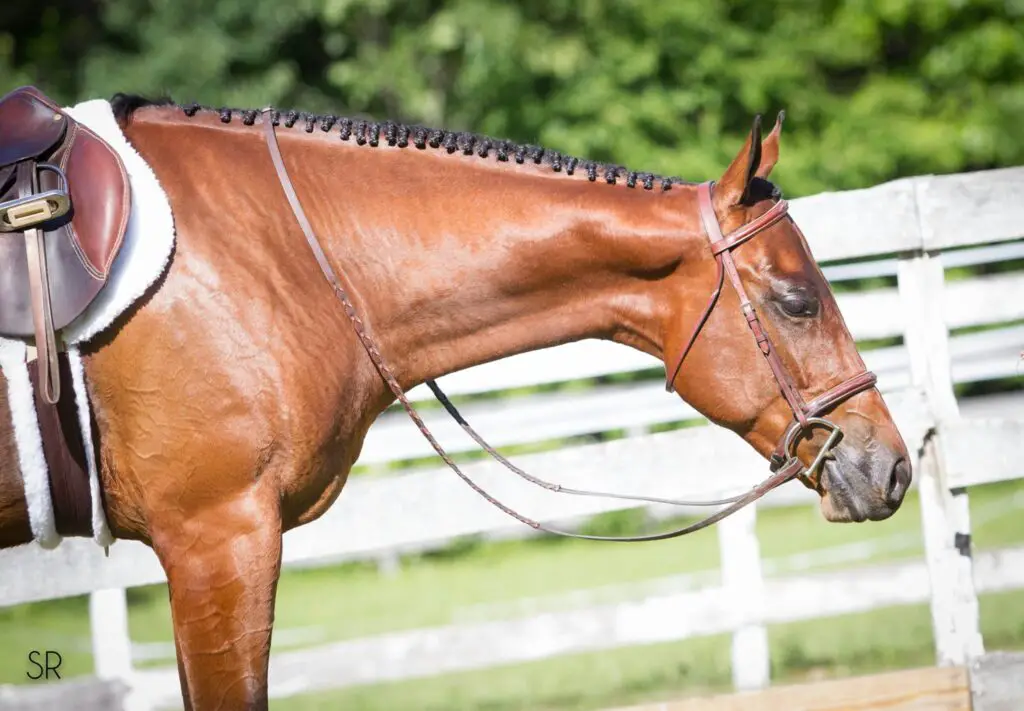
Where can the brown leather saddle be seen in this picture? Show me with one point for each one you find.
(64, 206)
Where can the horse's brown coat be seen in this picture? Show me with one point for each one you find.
(232, 405)
(14, 523)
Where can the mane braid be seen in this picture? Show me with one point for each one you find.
(373, 133)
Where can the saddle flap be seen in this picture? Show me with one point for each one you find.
(78, 249)
(29, 128)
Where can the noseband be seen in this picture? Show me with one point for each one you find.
(784, 462)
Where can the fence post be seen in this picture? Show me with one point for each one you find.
(111, 642)
(743, 583)
(945, 514)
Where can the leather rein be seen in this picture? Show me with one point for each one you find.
(783, 462)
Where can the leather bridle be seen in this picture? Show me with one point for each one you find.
(783, 462)
(806, 415)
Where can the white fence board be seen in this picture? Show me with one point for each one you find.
(76, 566)
(970, 208)
(582, 359)
(987, 354)
(988, 254)
(984, 300)
(533, 418)
(994, 406)
(860, 223)
(432, 651)
(86, 694)
(985, 450)
(887, 266)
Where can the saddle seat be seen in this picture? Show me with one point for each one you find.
(64, 206)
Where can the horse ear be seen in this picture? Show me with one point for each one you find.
(770, 148)
(732, 188)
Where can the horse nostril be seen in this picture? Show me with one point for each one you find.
(899, 481)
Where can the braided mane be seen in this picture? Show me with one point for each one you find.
(367, 132)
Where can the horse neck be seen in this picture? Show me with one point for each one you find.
(475, 260)
(456, 260)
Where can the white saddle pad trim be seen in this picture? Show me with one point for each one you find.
(31, 461)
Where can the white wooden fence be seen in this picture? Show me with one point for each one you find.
(911, 230)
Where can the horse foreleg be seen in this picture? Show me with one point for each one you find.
(182, 677)
(222, 568)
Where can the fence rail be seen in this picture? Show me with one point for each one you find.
(941, 333)
(708, 611)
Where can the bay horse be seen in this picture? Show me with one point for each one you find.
(232, 402)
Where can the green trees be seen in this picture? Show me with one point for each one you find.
(872, 90)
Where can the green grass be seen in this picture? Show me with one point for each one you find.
(355, 600)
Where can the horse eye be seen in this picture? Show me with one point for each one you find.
(798, 304)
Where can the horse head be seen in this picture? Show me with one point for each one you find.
(769, 355)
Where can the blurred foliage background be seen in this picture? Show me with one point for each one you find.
(873, 90)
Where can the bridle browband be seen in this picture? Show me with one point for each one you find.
(783, 462)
